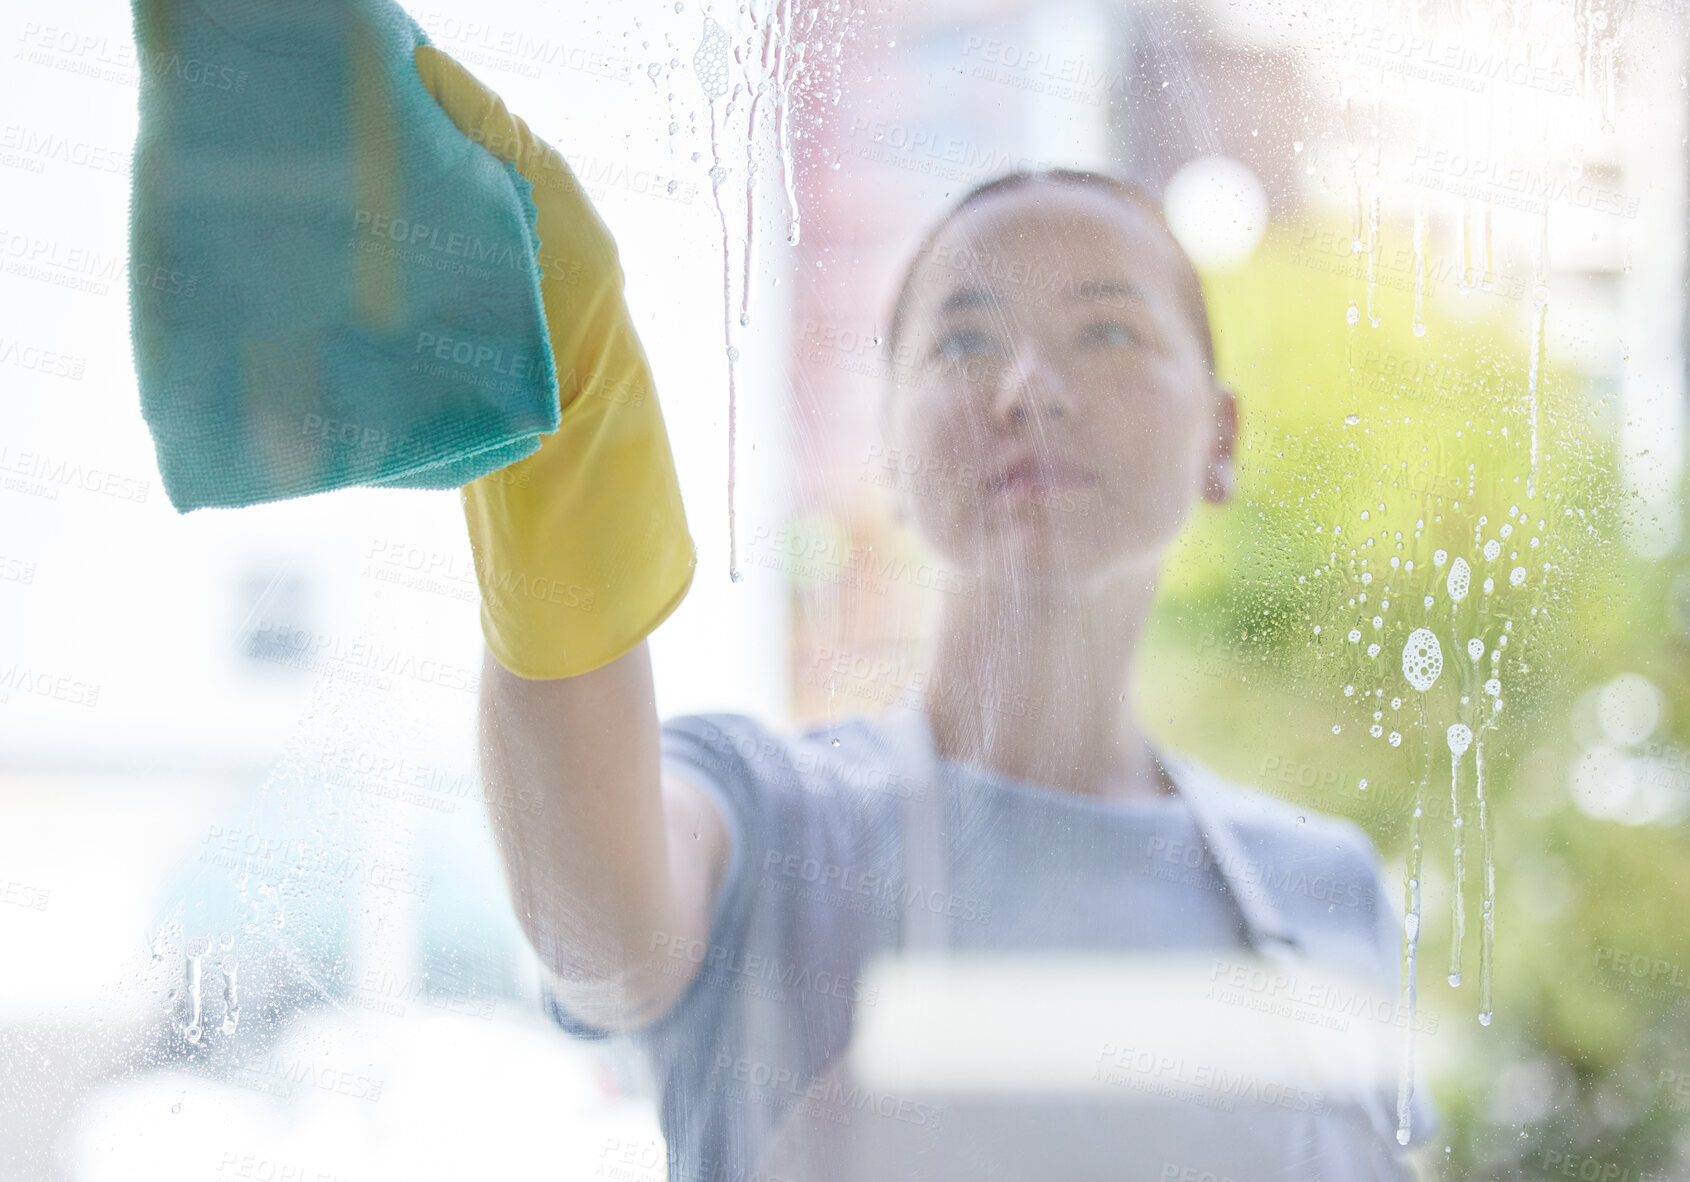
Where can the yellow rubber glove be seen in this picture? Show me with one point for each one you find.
(582, 549)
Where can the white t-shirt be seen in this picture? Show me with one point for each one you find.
(816, 886)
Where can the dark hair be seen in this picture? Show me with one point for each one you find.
(1191, 295)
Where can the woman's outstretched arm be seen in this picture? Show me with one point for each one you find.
(609, 860)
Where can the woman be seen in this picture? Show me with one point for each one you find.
(722, 894)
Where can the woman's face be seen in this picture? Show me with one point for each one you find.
(1056, 411)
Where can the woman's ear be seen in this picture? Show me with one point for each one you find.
(1221, 477)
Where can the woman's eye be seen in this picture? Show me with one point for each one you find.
(1108, 333)
(964, 342)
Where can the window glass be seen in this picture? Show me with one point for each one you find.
(1108, 596)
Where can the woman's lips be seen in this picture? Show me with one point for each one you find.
(1027, 474)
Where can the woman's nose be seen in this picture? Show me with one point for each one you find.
(1031, 387)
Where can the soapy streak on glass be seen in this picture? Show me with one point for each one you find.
(1476, 227)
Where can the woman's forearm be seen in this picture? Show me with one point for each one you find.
(572, 774)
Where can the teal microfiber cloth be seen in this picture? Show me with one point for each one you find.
(330, 285)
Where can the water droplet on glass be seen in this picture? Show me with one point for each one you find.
(1455, 980)
(1459, 737)
(1395, 739)
(1422, 658)
(1353, 315)
(1475, 648)
(1460, 577)
(1439, 557)
(1518, 574)
(1351, 420)
(1484, 1020)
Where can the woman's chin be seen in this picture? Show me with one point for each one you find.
(1054, 555)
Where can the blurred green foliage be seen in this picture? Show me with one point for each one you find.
(1366, 449)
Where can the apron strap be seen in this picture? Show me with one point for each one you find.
(1265, 929)
(921, 921)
